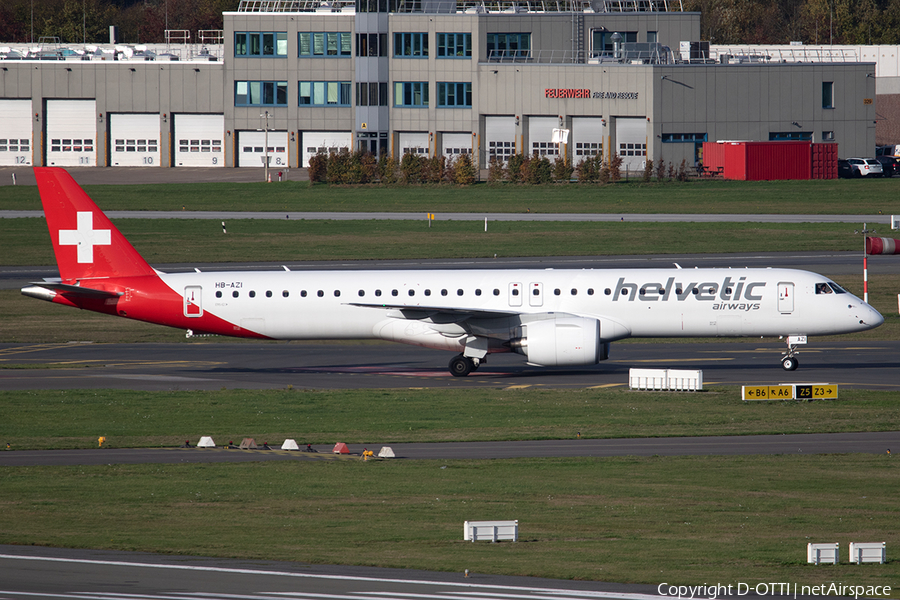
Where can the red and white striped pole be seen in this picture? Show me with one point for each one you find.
(865, 267)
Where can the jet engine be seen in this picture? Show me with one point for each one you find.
(561, 341)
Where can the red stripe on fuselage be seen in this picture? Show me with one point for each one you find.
(148, 298)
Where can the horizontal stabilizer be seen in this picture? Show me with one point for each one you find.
(66, 289)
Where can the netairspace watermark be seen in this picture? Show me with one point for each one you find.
(712, 592)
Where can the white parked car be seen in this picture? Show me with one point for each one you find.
(865, 167)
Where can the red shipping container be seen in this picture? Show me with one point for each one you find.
(764, 161)
(824, 160)
(713, 157)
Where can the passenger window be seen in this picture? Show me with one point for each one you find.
(443, 292)
(394, 292)
(320, 293)
(607, 291)
(412, 292)
(337, 293)
(252, 294)
(535, 292)
(218, 294)
(427, 292)
(557, 292)
(268, 293)
(496, 292)
(477, 292)
(286, 293)
(235, 294)
(302, 293)
(590, 291)
(459, 292)
(377, 292)
(574, 292)
(361, 293)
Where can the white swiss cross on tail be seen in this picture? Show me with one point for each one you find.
(85, 237)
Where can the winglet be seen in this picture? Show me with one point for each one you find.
(87, 245)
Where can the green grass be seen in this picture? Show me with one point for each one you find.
(681, 520)
(27, 242)
(76, 418)
(837, 196)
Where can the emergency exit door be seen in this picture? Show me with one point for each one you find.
(785, 297)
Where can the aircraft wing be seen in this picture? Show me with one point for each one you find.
(455, 314)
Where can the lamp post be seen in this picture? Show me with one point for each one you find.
(266, 159)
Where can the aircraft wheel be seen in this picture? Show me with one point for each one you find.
(789, 363)
(461, 366)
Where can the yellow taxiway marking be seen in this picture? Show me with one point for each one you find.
(605, 385)
(30, 349)
(517, 387)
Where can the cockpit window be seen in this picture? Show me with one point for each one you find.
(829, 288)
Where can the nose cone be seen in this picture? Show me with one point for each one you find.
(873, 319)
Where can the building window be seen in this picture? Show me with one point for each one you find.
(324, 93)
(411, 45)
(454, 95)
(371, 44)
(374, 6)
(787, 136)
(651, 37)
(454, 45)
(411, 93)
(827, 94)
(372, 94)
(827, 136)
(669, 138)
(324, 44)
(588, 148)
(260, 44)
(502, 46)
(260, 93)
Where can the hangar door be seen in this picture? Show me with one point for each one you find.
(631, 142)
(414, 143)
(454, 144)
(134, 140)
(198, 141)
(15, 132)
(252, 149)
(540, 132)
(587, 138)
(500, 137)
(324, 141)
(72, 133)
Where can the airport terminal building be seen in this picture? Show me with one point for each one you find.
(291, 78)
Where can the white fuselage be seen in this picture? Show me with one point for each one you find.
(437, 308)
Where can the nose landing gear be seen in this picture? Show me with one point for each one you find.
(789, 360)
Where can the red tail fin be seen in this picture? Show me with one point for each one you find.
(87, 245)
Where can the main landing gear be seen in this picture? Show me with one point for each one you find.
(789, 360)
(461, 366)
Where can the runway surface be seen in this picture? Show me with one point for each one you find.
(62, 574)
(302, 365)
(402, 216)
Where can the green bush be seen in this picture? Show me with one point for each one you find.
(463, 170)
(562, 169)
(318, 167)
(410, 168)
(496, 170)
